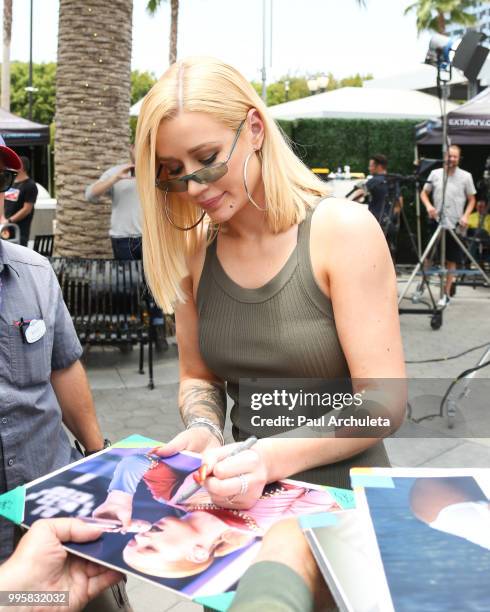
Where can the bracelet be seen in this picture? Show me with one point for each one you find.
(215, 430)
(87, 453)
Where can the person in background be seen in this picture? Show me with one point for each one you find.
(479, 231)
(119, 183)
(378, 188)
(20, 200)
(480, 219)
(10, 164)
(459, 202)
(384, 199)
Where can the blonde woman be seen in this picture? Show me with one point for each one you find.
(268, 278)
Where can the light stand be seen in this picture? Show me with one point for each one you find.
(443, 78)
(452, 403)
(418, 221)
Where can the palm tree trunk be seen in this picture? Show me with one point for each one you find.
(92, 117)
(441, 22)
(174, 17)
(7, 35)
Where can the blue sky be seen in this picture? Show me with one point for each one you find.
(307, 35)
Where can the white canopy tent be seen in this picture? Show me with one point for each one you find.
(423, 77)
(362, 103)
(134, 111)
(420, 77)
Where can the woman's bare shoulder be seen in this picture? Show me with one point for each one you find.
(336, 219)
(340, 210)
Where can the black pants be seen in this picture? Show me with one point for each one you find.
(130, 249)
(454, 252)
(127, 248)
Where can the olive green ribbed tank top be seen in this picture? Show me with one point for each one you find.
(284, 329)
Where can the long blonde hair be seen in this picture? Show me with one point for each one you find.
(207, 85)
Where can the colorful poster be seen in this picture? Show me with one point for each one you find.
(429, 530)
(194, 548)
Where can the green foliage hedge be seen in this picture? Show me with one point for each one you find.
(333, 142)
(329, 143)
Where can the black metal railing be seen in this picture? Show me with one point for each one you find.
(109, 303)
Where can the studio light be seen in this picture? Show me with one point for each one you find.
(466, 54)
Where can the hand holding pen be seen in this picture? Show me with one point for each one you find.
(233, 475)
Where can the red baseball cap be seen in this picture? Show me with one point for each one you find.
(10, 158)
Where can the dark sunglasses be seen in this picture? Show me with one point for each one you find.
(7, 178)
(209, 174)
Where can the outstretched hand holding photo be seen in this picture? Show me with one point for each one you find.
(40, 563)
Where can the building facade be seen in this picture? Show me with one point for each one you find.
(482, 12)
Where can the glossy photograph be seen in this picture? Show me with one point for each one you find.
(194, 547)
(432, 530)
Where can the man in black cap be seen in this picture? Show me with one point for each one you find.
(10, 164)
(20, 200)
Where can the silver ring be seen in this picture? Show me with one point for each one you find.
(243, 485)
(243, 489)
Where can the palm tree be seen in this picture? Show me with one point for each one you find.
(92, 109)
(152, 7)
(437, 14)
(7, 35)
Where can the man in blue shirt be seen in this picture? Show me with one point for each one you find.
(43, 385)
(42, 382)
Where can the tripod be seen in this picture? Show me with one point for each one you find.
(443, 78)
(441, 233)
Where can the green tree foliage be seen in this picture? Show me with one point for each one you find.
(276, 92)
(355, 81)
(436, 15)
(141, 83)
(44, 78)
(329, 143)
(298, 87)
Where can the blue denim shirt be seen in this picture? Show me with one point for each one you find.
(32, 439)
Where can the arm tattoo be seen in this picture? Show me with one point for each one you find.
(202, 398)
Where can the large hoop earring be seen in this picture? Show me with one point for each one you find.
(249, 195)
(182, 229)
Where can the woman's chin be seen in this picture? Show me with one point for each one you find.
(222, 214)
